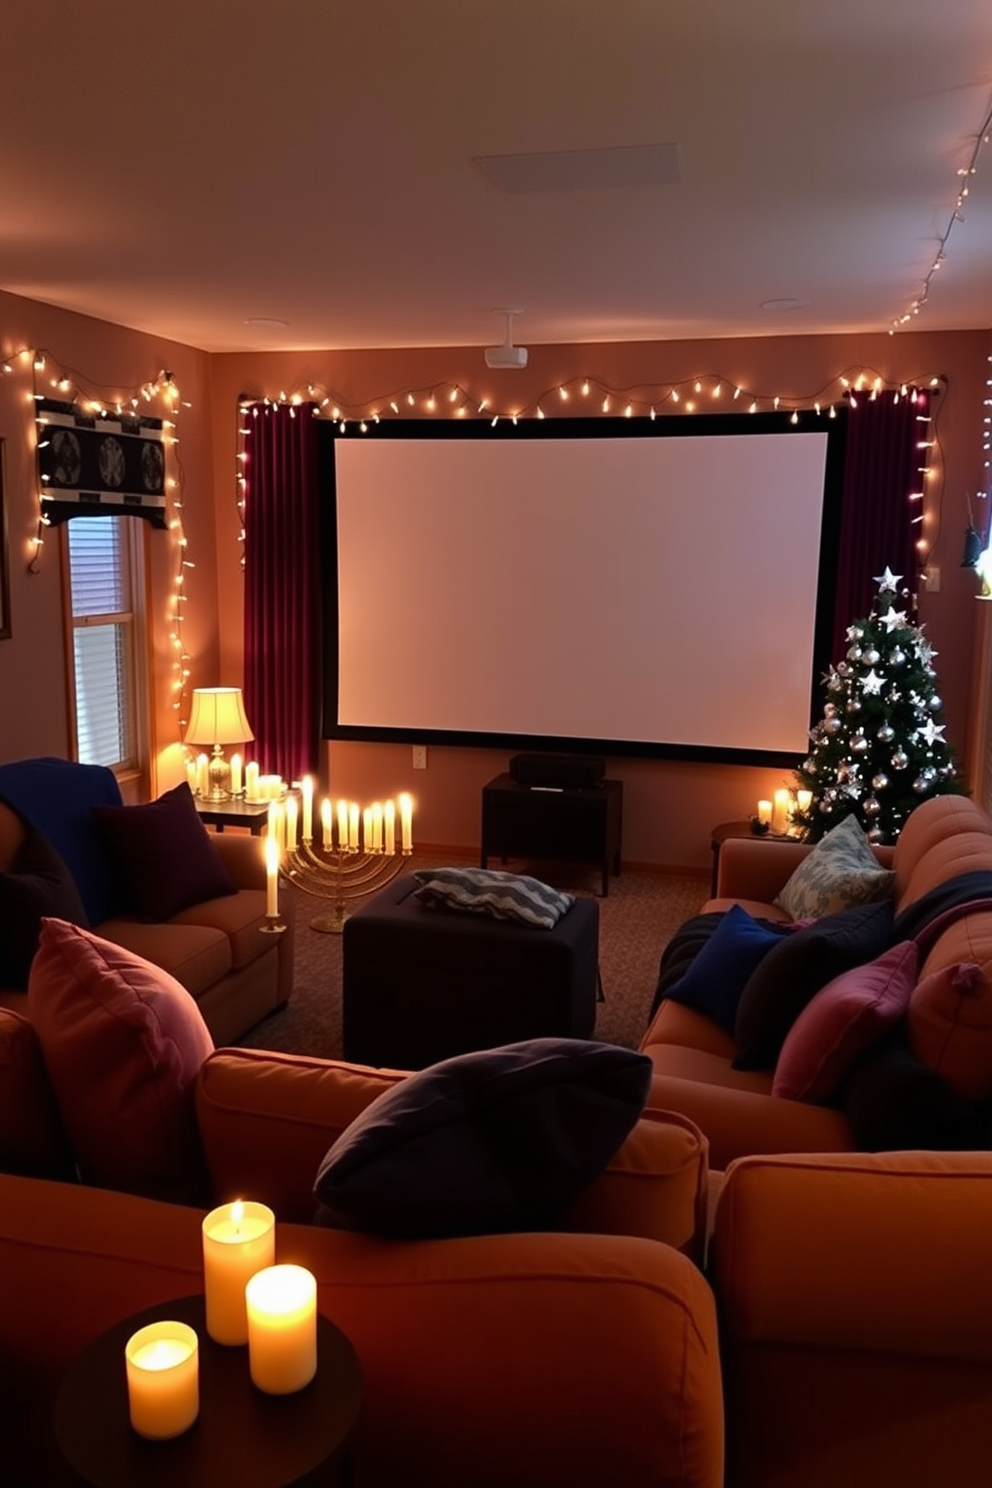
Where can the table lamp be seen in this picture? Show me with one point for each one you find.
(217, 718)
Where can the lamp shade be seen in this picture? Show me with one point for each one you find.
(218, 717)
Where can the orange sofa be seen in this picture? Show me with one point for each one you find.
(946, 841)
(587, 1355)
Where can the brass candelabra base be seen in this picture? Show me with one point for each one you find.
(341, 875)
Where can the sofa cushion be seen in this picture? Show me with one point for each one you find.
(489, 891)
(38, 883)
(486, 1142)
(784, 981)
(895, 1103)
(122, 1042)
(949, 1028)
(841, 870)
(715, 979)
(841, 1022)
(163, 853)
(32, 1137)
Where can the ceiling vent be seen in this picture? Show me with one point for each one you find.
(507, 355)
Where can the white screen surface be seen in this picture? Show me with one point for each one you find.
(659, 591)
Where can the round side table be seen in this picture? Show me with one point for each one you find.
(241, 1435)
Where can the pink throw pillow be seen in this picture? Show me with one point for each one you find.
(123, 1042)
(842, 1021)
(949, 1028)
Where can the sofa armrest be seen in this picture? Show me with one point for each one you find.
(267, 1120)
(243, 856)
(882, 1252)
(753, 868)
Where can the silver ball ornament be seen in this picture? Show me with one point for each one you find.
(898, 657)
(859, 744)
(854, 653)
(880, 781)
(900, 760)
(935, 704)
(870, 656)
(886, 733)
(854, 705)
(870, 806)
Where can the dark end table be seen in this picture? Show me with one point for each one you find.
(521, 821)
(241, 1436)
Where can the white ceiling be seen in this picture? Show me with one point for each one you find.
(188, 166)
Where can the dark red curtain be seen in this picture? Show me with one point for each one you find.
(282, 587)
(881, 469)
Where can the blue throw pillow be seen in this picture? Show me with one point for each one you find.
(715, 980)
(484, 1143)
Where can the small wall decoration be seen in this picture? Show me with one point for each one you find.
(99, 464)
(4, 571)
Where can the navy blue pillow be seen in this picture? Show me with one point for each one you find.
(786, 979)
(717, 976)
(37, 885)
(484, 1143)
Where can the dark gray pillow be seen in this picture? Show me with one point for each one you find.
(37, 885)
(484, 1143)
(491, 891)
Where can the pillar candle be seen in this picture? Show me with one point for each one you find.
(389, 827)
(342, 825)
(202, 775)
(251, 781)
(804, 799)
(353, 826)
(272, 877)
(326, 830)
(235, 774)
(406, 822)
(163, 1379)
(282, 1328)
(307, 788)
(292, 816)
(765, 812)
(367, 829)
(780, 811)
(238, 1240)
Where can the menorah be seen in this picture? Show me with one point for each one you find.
(357, 852)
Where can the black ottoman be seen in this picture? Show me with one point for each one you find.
(421, 984)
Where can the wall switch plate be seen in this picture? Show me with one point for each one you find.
(420, 756)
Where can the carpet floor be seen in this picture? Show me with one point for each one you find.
(638, 917)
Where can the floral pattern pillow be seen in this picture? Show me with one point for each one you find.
(840, 871)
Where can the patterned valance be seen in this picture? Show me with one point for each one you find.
(97, 465)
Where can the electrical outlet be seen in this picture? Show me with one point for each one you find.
(933, 580)
(420, 756)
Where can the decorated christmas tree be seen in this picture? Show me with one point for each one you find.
(879, 749)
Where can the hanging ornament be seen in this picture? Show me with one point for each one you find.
(921, 785)
(897, 658)
(935, 704)
(843, 670)
(854, 705)
(835, 683)
(875, 833)
(871, 806)
(886, 733)
(870, 656)
(859, 743)
(880, 781)
(832, 725)
(830, 710)
(900, 760)
(854, 653)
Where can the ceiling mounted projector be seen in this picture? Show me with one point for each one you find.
(507, 355)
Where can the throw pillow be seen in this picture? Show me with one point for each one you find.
(37, 884)
(488, 891)
(123, 1042)
(32, 1137)
(841, 1022)
(163, 854)
(484, 1143)
(784, 981)
(715, 980)
(896, 1104)
(841, 870)
(949, 1028)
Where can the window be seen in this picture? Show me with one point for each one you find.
(106, 592)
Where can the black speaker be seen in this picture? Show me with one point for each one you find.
(558, 771)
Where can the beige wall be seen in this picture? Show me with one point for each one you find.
(669, 806)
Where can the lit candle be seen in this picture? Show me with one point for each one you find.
(238, 1240)
(377, 826)
(292, 816)
(326, 829)
(342, 825)
(406, 822)
(163, 1379)
(251, 781)
(270, 787)
(202, 775)
(272, 876)
(780, 811)
(192, 779)
(804, 800)
(765, 813)
(307, 788)
(389, 827)
(235, 774)
(275, 823)
(367, 829)
(282, 1328)
(353, 826)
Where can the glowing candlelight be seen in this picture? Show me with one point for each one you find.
(235, 774)
(281, 1303)
(406, 822)
(163, 1379)
(272, 877)
(238, 1240)
(307, 788)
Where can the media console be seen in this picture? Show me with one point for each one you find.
(520, 821)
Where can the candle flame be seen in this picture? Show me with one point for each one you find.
(237, 1213)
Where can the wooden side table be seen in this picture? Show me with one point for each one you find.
(520, 821)
(241, 1436)
(237, 812)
